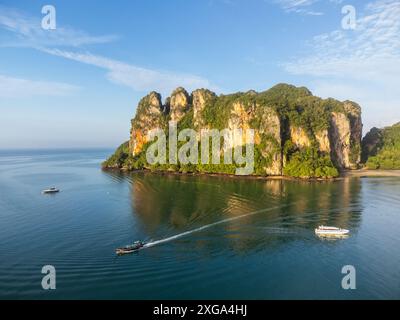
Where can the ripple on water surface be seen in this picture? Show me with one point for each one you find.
(213, 237)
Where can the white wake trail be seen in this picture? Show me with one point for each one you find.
(153, 243)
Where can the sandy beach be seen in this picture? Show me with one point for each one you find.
(371, 173)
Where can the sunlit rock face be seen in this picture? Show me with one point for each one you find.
(340, 137)
(148, 116)
(200, 98)
(265, 122)
(179, 104)
(278, 116)
(345, 136)
(322, 138)
(299, 137)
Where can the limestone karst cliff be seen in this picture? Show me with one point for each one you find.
(296, 133)
(381, 148)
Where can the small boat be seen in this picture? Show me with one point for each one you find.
(130, 248)
(51, 190)
(331, 231)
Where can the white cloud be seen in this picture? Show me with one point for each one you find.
(299, 6)
(362, 64)
(16, 88)
(336, 1)
(371, 50)
(27, 32)
(137, 78)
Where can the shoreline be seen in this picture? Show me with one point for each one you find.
(204, 174)
(359, 173)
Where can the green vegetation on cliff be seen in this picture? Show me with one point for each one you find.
(271, 113)
(381, 148)
(310, 163)
(119, 158)
(295, 105)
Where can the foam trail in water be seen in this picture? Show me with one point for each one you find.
(153, 243)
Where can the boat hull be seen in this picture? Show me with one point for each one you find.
(332, 233)
(122, 252)
(128, 250)
(50, 191)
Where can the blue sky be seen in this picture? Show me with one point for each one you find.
(78, 85)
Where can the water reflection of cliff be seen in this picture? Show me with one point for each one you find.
(178, 203)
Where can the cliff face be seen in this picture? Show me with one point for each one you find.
(179, 104)
(290, 125)
(267, 132)
(200, 98)
(149, 115)
(381, 148)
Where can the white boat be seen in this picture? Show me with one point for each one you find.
(51, 190)
(331, 231)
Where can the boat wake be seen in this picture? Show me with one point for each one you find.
(157, 242)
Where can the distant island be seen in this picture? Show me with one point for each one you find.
(296, 133)
(381, 148)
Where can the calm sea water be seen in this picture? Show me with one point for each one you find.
(258, 243)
